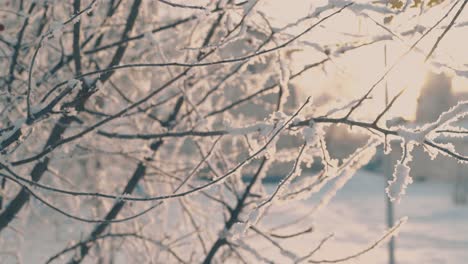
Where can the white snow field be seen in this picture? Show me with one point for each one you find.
(436, 231)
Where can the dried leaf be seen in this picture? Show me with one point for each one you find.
(388, 19)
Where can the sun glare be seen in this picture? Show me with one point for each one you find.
(409, 74)
(351, 76)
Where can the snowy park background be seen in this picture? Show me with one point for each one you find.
(436, 231)
(231, 131)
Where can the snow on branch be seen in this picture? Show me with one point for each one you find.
(419, 134)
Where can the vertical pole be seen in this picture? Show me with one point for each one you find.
(388, 175)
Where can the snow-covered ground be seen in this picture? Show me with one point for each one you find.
(436, 231)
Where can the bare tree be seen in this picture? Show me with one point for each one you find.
(142, 130)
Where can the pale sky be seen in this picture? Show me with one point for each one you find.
(353, 73)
